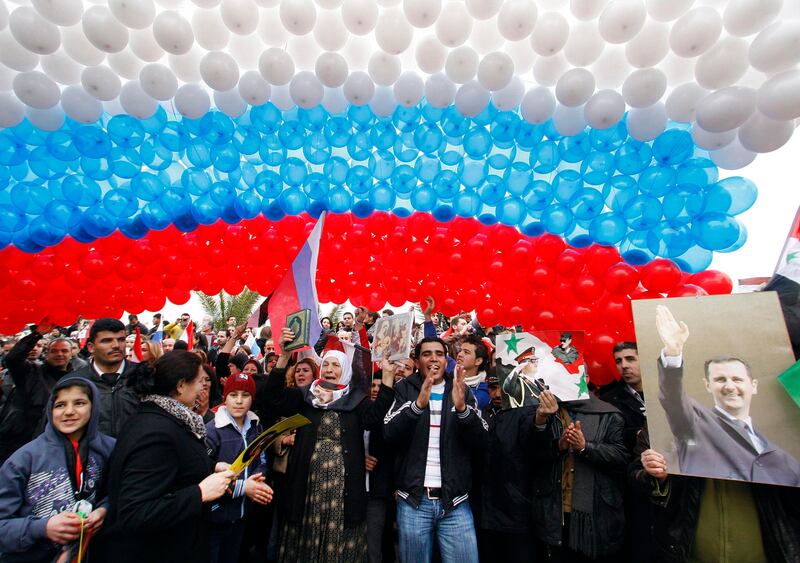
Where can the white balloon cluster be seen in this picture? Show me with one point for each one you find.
(730, 69)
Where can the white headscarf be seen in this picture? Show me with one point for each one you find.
(344, 381)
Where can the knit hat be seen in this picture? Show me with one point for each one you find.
(239, 360)
(240, 382)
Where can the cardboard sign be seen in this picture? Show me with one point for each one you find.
(393, 335)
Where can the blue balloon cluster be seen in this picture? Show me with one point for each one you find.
(662, 198)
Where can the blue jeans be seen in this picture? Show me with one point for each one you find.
(455, 532)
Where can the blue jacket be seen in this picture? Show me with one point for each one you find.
(35, 484)
(227, 442)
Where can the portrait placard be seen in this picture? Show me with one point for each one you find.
(393, 335)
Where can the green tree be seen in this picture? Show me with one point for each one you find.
(220, 307)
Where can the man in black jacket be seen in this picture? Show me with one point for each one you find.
(110, 373)
(433, 424)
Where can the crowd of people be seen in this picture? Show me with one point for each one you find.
(117, 440)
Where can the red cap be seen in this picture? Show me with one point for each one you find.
(333, 343)
(240, 382)
(526, 355)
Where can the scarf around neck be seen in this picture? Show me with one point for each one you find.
(192, 420)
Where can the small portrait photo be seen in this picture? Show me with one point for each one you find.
(392, 335)
(710, 368)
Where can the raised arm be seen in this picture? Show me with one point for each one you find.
(671, 394)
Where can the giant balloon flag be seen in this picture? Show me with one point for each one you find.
(541, 163)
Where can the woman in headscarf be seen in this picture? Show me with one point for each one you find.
(325, 500)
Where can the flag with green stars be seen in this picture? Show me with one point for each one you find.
(790, 379)
(528, 362)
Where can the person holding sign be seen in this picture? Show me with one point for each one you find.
(721, 442)
(52, 489)
(325, 500)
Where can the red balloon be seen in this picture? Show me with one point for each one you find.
(600, 258)
(549, 247)
(587, 288)
(541, 277)
(488, 317)
(713, 281)
(661, 275)
(687, 290)
(615, 311)
(569, 263)
(643, 294)
(621, 279)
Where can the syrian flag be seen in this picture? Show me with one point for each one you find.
(188, 335)
(136, 357)
(296, 291)
(786, 283)
(83, 335)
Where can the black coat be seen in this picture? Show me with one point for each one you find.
(366, 415)
(156, 513)
(630, 408)
(118, 401)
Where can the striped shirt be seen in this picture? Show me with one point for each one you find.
(433, 467)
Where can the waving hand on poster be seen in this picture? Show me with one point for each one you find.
(673, 334)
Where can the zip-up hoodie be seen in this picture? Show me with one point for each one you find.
(35, 484)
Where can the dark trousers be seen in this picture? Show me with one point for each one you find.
(225, 539)
(505, 547)
(563, 554)
(380, 530)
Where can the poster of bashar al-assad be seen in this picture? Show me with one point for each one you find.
(529, 363)
(393, 335)
(715, 407)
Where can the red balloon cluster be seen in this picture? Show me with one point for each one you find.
(507, 278)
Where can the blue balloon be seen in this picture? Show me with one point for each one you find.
(545, 157)
(618, 191)
(598, 167)
(45, 166)
(225, 158)
(176, 203)
(486, 116)
(80, 190)
(518, 178)
(586, 204)
(382, 196)
(135, 229)
(220, 128)
(558, 219)
(540, 196)
(199, 153)
(446, 184)
(359, 180)
(423, 198)
(633, 157)
(715, 231)
(444, 213)
(266, 118)
(154, 216)
(312, 119)
(467, 204)
(383, 135)
(472, 173)
(404, 149)
(59, 144)
(359, 147)
(642, 213)
(694, 260)
(58, 212)
(493, 191)
(607, 228)
(294, 171)
(154, 124)
(337, 131)
(44, 233)
(147, 186)
(697, 171)
(609, 140)
(428, 138)
(533, 229)
(362, 209)
(174, 137)
(127, 163)
(121, 203)
(268, 184)
(13, 151)
(511, 211)
(97, 168)
(505, 126)
(196, 181)
(669, 239)
(403, 180)
(656, 180)
(427, 168)
(338, 200)
(99, 223)
(246, 140)
(566, 184)
(293, 201)
(272, 210)
(636, 257)
(316, 148)
(575, 148)
(683, 203)
(336, 170)
(528, 135)
(222, 194)
(673, 147)
(11, 219)
(25, 242)
(453, 123)
(741, 192)
(362, 115)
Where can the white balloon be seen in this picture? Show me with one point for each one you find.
(210, 31)
(439, 91)
(334, 101)
(485, 37)
(483, 9)
(144, 45)
(170, 4)
(495, 71)
(135, 100)
(645, 124)
(644, 87)
(732, 156)
(219, 70)
(101, 83)
(777, 47)
(51, 119)
(12, 112)
(158, 81)
(3, 16)
(695, 32)
(509, 97)
(253, 88)
(569, 121)
(547, 70)
(712, 141)
(356, 51)
(779, 97)
(422, 13)
(586, 10)
(306, 90)
(650, 45)
(173, 32)
(667, 10)
(681, 104)
(77, 46)
(60, 12)
(408, 89)
(358, 88)
(36, 90)
(621, 20)
(276, 66)
(430, 55)
(516, 19)
(761, 134)
(329, 4)
(723, 64)
(678, 69)
(330, 32)
(746, 17)
(192, 101)
(80, 106)
(298, 16)
(604, 109)
(245, 49)
(241, 16)
(331, 69)
(359, 16)
(207, 4)
(103, 30)
(575, 87)
(137, 14)
(393, 33)
(34, 32)
(383, 103)
(187, 67)
(611, 69)
(584, 45)
(270, 28)
(125, 64)
(471, 99)
(230, 103)
(61, 68)
(461, 65)
(454, 24)
(537, 105)
(725, 109)
(550, 34)
(522, 56)
(383, 68)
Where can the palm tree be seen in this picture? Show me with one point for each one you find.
(220, 307)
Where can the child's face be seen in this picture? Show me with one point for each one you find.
(238, 403)
(72, 410)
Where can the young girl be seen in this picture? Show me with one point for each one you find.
(51, 484)
(233, 428)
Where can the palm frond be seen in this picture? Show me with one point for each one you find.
(223, 305)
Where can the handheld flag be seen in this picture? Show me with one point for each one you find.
(265, 439)
(253, 346)
(790, 379)
(188, 335)
(136, 357)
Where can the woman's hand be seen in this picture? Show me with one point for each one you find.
(257, 490)
(95, 519)
(63, 528)
(221, 466)
(215, 485)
